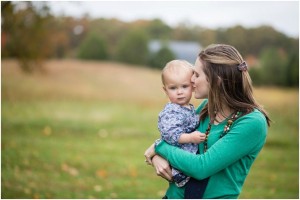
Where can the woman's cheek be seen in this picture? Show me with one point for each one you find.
(196, 93)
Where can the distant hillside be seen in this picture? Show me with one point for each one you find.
(83, 80)
(96, 81)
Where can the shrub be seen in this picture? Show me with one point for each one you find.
(161, 57)
(93, 47)
(133, 48)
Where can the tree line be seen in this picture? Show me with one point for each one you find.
(32, 34)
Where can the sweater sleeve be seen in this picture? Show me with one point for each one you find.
(246, 138)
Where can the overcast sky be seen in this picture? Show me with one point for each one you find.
(282, 15)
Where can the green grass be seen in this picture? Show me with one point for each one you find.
(83, 136)
(61, 151)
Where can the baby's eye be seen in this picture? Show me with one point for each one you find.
(185, 86)
(172, 88)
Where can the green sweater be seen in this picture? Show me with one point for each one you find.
(227, 161)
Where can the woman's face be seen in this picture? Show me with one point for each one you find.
(199, 81)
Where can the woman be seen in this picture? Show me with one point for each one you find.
(234, 123)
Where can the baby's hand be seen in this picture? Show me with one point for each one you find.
(197, 137)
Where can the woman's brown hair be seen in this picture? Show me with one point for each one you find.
(229, 81)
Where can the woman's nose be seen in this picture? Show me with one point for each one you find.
(193, 79)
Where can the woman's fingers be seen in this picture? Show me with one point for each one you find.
(162, 167)
(148, 160)
(149, 153)
(165, 173)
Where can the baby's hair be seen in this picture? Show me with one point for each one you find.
(176, 66)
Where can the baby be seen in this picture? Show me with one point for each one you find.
(178, 121)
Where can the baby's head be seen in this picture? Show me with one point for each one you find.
(175, 68)
(176, 79)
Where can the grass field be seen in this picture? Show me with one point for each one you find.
(80, 131)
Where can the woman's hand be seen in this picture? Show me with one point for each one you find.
(160, 164)
(162, 167)
(149, 153)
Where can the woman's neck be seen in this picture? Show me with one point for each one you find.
(223, 114)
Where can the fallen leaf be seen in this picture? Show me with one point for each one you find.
(102, 173)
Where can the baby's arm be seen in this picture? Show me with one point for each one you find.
(195, 137)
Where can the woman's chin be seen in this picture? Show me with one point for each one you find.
(197, 96)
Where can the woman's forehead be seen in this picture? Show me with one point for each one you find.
(198, 66)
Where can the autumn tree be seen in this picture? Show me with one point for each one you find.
(157, 29)
(110, 30)
(25, 27)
